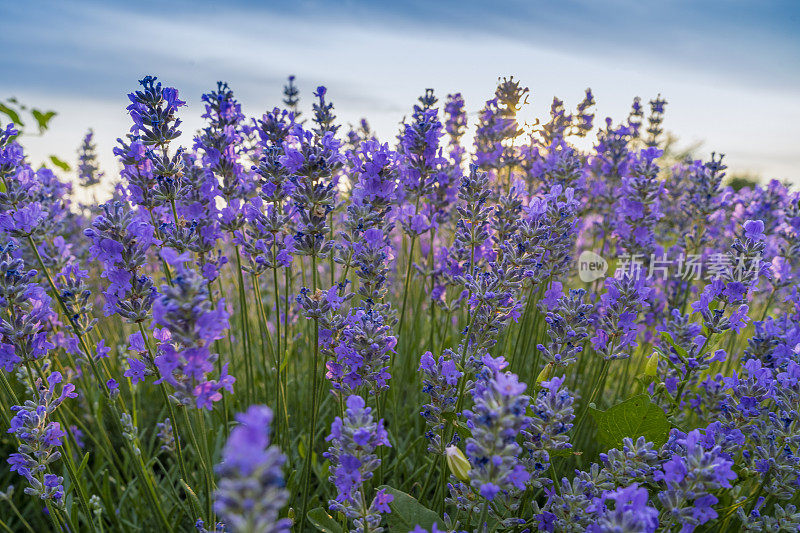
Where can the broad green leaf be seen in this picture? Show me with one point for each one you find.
(12, 114)
(635, 417)
(463, 431)
(59, 163)
(324, 522)
(43, 119)
(407, 512)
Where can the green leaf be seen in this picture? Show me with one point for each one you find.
(669, 340)
(12, 114)
(43, 119)
(458, 426)
(324, 522)
(59, 163)
(635, 417)
(450, 416)
(569, 452)
(644, 380)
(407, 512)
(463, 431)
(83, 464)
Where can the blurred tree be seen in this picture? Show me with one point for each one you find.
(21, 115)
(740, 181)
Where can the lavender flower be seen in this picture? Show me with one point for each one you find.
(89, 173)
(654, 120)
(455, 126)
(543, 247)
(155, 124)
(26, 310)
(185, 359)
(497, 124)
(493, 303)
(496, 418)
(639, 206)
(166, 435)
(291, 99)
(11, 154)
(219, 141)
(40, 439)
(631, 512)
(354, 439)
(251, 493)
(616, 328)
(34, 203)
(570, 508)
(419, 146)
(312, 164)
(756, 415)
(471, 228)
(120, 240)
(323, 115)
(440, 382)
(636, 462)
(785, 518)
(689, 476)
(265, 242)
(74, 295)
(362, 354)
(567, 329)
(198, 204)
(365, 245)
(547, 429)
(740, 270)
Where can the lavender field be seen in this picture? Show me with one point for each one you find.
(279, 323)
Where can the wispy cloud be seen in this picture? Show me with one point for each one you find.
(728, 69)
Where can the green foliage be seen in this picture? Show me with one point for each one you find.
(740, 181)
(15, 110)
(43, 119)
(324, 522)
(407, 512)
(635, 417)
(682, 353)
(63, 165)
(12, 114)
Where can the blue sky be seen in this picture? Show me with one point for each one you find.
(729, 69)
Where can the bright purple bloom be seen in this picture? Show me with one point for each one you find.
(251, 493)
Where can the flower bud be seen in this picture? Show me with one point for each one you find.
(545, 374)
(457, 462)
(652, 365)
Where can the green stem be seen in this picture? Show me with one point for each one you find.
(314, 405)
(245, 327)
(482, 526)
(173, 419)
(279, 391)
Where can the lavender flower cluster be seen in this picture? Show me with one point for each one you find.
(413, 312)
